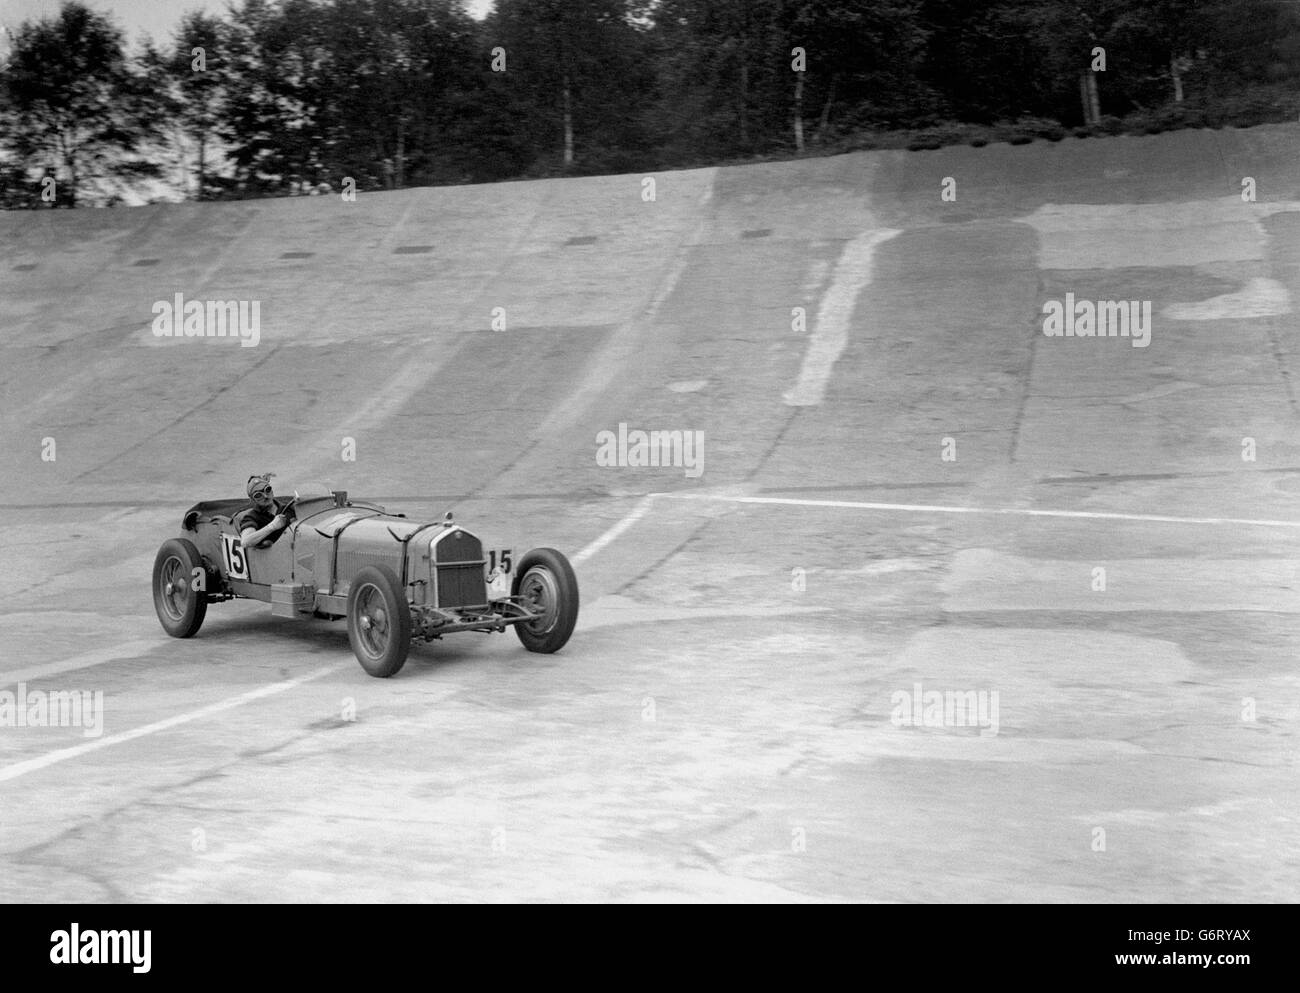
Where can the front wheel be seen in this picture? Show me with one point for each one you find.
(546, 582)
(379, 621)
(181, 606)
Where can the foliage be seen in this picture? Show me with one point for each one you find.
(74, 107)
(300, 95)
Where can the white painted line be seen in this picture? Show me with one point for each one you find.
(635, 514)
(99, 656)
(63, 754)
(1259, 297)
(921, 508)
(1164, 234)
(830, 333)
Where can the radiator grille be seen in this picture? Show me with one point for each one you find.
(461, 582)
(461, 586)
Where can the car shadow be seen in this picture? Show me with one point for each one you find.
(318, 636)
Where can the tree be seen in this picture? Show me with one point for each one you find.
(76, 106)
(189, 79)
(717, 65)
(580, 70)
(1228, 43)
(361, 89)
(728, 79)
(863, 54)
(277, 74)
(404, 69)
(986, 61)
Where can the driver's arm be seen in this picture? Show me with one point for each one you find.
(251, 539)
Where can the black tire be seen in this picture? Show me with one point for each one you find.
(379, 621)
(179, 606)
(545, 577)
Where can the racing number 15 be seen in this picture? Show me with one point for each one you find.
(504, 560)
(233, 552)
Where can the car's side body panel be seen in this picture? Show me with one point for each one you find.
(313, 556)
(368, 541)
(251, 591)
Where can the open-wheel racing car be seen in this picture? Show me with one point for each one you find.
(392, 578)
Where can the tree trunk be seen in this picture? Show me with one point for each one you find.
(1083, 97)
(825, 120)
(186, 171)
(1094, 101)
(744, 102)
(401, 153)
(203, 144)
(1175, 69)
(798, 112)
(568, 124)
(70, 158)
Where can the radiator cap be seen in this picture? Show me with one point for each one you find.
(447, 521)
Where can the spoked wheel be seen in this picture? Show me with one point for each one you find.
(379, 621)
(180, 607)
(547, 585)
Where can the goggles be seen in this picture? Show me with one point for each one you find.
(259, 485)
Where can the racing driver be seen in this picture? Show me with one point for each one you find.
(260, 525)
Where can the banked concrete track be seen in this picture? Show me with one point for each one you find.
(911, 486)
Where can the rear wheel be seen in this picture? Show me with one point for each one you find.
(379, 621)
(546, 582)
(180, 607)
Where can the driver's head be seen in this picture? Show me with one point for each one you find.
(259, 490)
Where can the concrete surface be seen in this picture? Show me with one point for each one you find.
(726, 722)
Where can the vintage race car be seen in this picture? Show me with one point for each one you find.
(392, 578)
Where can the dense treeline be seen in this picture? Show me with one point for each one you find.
(295, 95)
